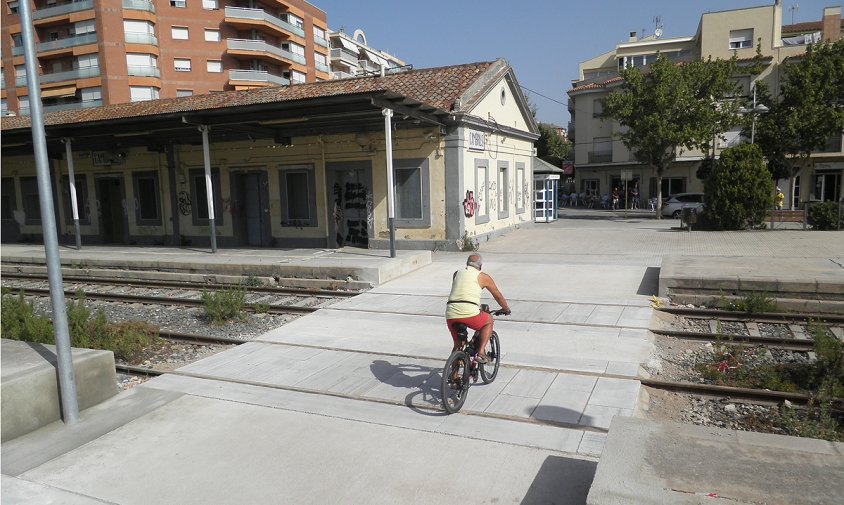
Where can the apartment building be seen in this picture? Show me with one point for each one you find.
(99, 52)
(351, 56)
(603, 162)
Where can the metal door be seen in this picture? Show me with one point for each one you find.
(250, 208)
(111, 209)
(350, 222)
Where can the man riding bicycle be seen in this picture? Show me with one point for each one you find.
(464, 303)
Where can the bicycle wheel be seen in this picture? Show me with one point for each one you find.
(455, 382)
(493, 352)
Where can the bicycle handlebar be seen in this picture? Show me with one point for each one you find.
(499, 312)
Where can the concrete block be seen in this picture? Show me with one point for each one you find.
(30, 388)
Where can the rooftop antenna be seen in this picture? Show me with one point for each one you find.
(657, 26)
(794, 8)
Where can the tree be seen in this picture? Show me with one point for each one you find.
(672, 107)
(808, 111)
(738, 191)
(550, 146)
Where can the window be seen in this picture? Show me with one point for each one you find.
(20, 71)
(147, 203)
(210, 4)
(87, 61)
(200, 197)
(296, 76)
(670, 186)
(597, 108)
(320, 59)
(82, 208)
(413, 209)
(4, 107)
(295, 20)
(83, 27)
(319, 33)
(503, 190)
(179, 4)
(179, 32)
(214, 66)
(212, 35)
(481, 193)
(7, 199)
(139, 32)
(298, 195)
(740, 39)
(294, 48)
(31, 203)
(17, 40)
(141, 64)
(521, 195)
(142, 93)
(184, 92)
(601, 150)
(13, 7)
(181, 64)
(91, 94)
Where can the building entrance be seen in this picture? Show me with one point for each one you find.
(111, 207)
(250, 208)
(350, 220)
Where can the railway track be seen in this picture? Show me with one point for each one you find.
(760, 317)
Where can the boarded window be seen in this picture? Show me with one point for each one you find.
(148, 198)
(31, 203)
(81, 185)
(298, 195)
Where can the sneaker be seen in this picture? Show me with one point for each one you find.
(482, 359)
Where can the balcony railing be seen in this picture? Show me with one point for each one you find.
(261, 15)
(600, 157)
(139, 5)
(67, 8)
(322, 67)
(320, 41)
(368, 66)
(262, 46)
(257, 76)
(143, 70)
(140, 38)
(79, 73)
(17, 50)
(24, 111)
(344, 55)
(341, 75)
(79, 40)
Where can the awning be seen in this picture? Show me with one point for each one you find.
(348, 44)
(375, 58)
(63, 91)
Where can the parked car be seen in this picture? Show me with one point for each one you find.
(673, 205)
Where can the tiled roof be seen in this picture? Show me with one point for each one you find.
(599, 84)
(809, 26)
(435, 87)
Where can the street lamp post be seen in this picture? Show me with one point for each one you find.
(757, 109)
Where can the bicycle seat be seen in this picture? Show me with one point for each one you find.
(461, 329)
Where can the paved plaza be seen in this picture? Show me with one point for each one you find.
(335, 407)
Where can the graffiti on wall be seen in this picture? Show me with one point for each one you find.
(184, 203)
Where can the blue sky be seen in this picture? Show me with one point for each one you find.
(543, 40)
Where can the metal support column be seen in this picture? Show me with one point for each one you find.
(391, 189)
(64, 358)
(73, 205)
(209, 190)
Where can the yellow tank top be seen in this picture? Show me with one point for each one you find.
(465, 297)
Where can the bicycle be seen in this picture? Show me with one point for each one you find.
(463, 367)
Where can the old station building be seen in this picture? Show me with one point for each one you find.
(295, 166)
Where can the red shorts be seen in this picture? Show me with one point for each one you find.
(475, 322)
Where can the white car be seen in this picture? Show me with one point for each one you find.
(673, 206)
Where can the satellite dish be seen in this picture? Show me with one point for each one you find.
(658, 33)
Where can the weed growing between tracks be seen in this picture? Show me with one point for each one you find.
(224, 305)
(753, 303)
(822, 377)
(128, 339)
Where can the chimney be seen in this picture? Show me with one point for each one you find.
(633, 37)
(831, 24)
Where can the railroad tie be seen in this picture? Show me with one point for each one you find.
(753, 329)
(838, 331)
(798, 332)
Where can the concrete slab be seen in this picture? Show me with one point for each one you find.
(30, 388)
(19, 491)
(646, 462)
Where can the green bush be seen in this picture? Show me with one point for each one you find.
(224, 305)
(738, 192)
(126, 340)
(823, 216)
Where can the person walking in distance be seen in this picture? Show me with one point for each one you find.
(779, 198)
(464, 303)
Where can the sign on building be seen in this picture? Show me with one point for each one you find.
(477, 140)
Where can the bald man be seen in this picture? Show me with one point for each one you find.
(464, 303)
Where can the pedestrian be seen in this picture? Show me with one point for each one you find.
(614, 198)
(779, 199)
(634, 193)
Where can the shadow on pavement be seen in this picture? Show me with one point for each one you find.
(561, 481)
(650, 282)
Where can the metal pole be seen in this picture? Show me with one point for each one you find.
(209, 190)
(391, 190)
(73, 205)
(64, 358)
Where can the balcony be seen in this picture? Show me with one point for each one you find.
(260, 46)
(79, 40)
(600, 157)
(366, 66)
(259, 15)
(140, 38)
(143, 70)
(24, 111)
(321, 67)
(258, 76)
(70, 75)
(346, 56)
(341, 75)
(139, 5)
(320, 41)
(59, 10)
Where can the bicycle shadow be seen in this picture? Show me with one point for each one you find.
(561, 480)
(422, 380)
